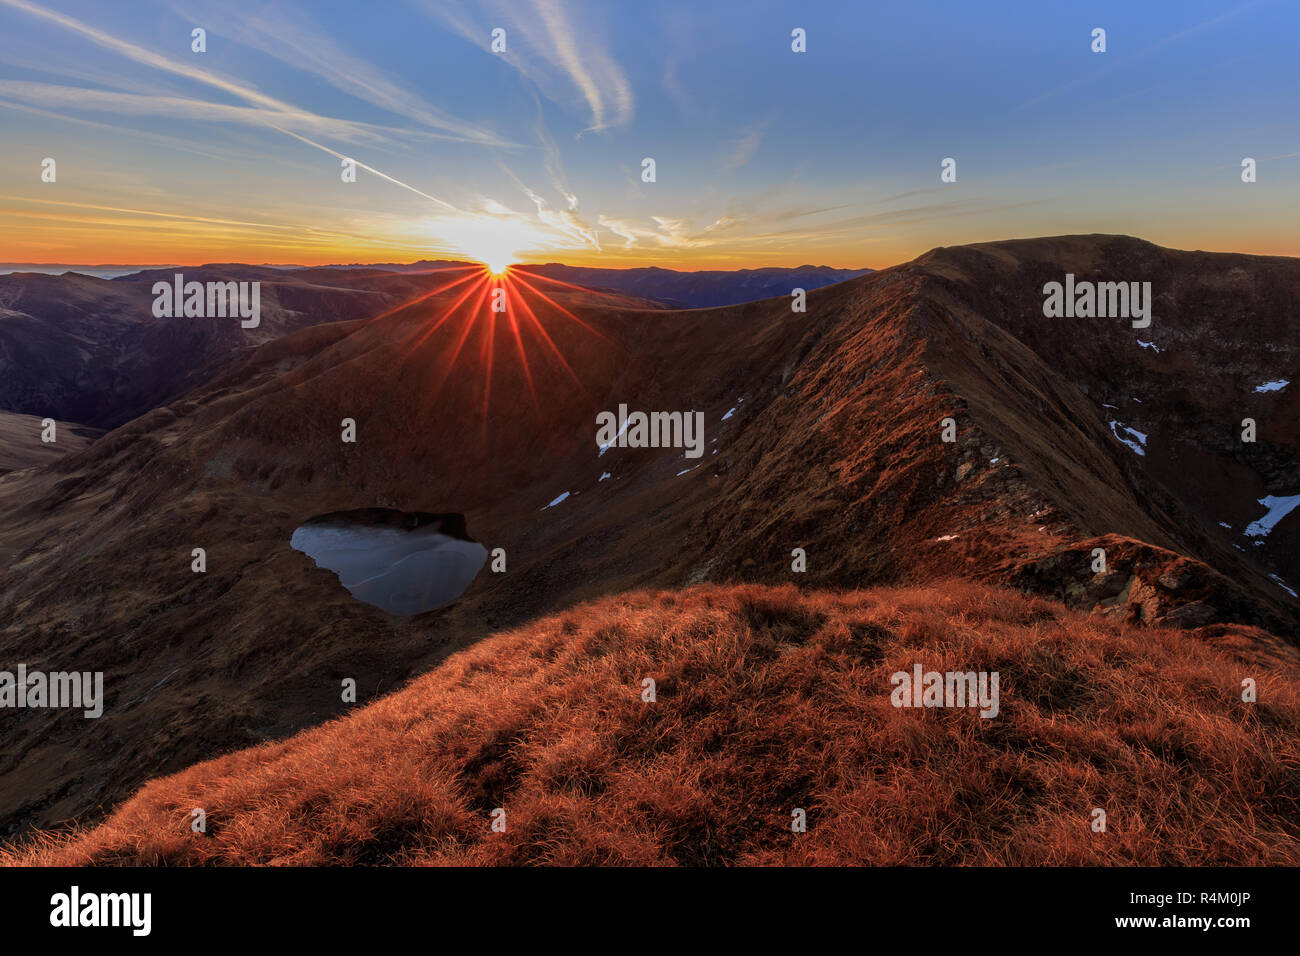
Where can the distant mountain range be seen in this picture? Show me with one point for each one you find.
(85, 349)
(683, 289)
(677, 288)
(694, 290)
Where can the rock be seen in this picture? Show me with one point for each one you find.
(1177, 578)
(1191, 615)
(1110, 588)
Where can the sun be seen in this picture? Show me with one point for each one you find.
(491, 240)
(495, 252)
(497, 265)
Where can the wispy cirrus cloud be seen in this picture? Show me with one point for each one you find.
(544, 45)
(552, 162)
(565, 222)
(745, 146)
(292, 36)
(136, 135)
(260, 106)
(562, 222)
(683, 25)
(149, 58)
(57, 98)
(128, 216)
(734, 232)
(668, 232)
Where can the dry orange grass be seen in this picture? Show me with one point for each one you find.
(768, 699)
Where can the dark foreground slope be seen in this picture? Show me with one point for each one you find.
(767, 700)
(822, 433)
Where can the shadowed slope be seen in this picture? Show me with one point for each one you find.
(1222, 326)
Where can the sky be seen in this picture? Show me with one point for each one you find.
(763, 156)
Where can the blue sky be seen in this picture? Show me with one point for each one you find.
(763, 156)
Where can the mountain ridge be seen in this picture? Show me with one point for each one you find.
(827, 431)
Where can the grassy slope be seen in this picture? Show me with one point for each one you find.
(768, 699)
(21, 445)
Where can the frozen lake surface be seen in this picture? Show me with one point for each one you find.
(401, 570)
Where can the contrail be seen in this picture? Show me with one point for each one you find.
(369, 169)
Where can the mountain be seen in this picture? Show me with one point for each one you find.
(1224, 325)
(822, 433)
(693, 290)
(90, 350)
(672, 287)
(21, 445)
(101, 271)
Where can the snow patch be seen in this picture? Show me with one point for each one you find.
(729, 414)
(1274, 386)
(1138, 446)
(1150, 345)
(1282, 584)
(1278, 508)
(603, 476)
(609, 444)
(555, 502)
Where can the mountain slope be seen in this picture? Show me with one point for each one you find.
(86, 349)
(767, 700)
(21, 445)
(90, 350)
(826, 427)
(1223, 326)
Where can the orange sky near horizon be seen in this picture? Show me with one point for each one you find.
(144, 250)
(762, 152)
(50, 235)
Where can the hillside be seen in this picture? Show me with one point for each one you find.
(767, 700)
(82, 348)
(822, 433)
(90, 350)
(21, 445)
